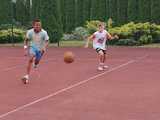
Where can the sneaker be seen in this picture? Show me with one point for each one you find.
(105, 66)
(34, 65)
(100, 68)
(25, 79)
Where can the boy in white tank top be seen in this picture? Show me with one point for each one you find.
(99, 39)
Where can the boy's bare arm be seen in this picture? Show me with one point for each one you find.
(87, 42)
(26, 42)
(45, 46)
(110, 37)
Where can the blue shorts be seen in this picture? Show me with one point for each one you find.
(36, 52)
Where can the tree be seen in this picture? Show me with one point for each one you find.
(113, 10)
(62, 12)
(132, 10)
(22, 14)
(5, 11)
(51, 20)
(98, 10)
(69, 13)
(94, 10)
(86, 10)
(36, 8)
(102, 10)
(155, 11)
(79, 12)
(144, 10)
(107, 10)
(122, 6)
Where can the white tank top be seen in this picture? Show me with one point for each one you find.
(100, 39)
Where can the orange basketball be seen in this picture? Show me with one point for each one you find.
(68, 57)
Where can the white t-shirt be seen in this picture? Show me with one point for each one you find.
(99, 40)
(37, 39)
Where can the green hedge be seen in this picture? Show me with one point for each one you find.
(140, 33)
(131, 33)
(6, 35)
(127, 42)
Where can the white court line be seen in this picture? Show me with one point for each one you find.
(70, 87)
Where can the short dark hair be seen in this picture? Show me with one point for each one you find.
(36, 20)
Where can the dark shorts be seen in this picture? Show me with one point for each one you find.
(99, 49)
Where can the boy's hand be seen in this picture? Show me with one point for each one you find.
(86, 46)
(25, 50)
(116, 37)
(45, 46)
(43, 50)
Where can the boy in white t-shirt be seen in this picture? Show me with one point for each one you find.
(99, 39)
(36, 42)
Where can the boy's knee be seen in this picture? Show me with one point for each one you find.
(37, 61)
(101, 53)
(31, 60)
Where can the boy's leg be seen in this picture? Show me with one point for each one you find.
(38, 57)
(104, 56)
(31, 59)
(29, 65)
(101, 59)
(104, 59)
(25, 78)
(101, 56)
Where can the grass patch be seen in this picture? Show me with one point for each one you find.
(155, 45)
(11, 45)
(77, 43)
(72, 43)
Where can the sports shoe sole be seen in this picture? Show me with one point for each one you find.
(100, 69)
(24, 80)
(105, 67)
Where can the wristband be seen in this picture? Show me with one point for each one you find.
(25, 46)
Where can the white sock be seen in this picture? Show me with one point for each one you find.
(27, 76)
